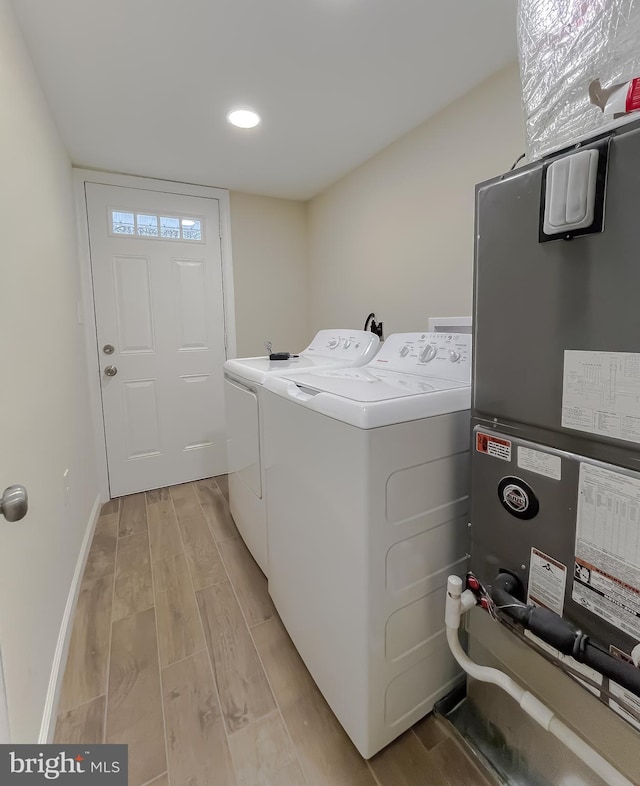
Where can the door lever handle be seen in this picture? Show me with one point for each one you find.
(14, 503)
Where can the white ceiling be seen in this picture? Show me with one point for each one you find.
(143, 86)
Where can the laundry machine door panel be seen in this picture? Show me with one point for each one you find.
(243, 434)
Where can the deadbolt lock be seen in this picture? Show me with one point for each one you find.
(108, 349)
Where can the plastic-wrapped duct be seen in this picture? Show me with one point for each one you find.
(564, 46)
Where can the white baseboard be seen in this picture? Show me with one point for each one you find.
(49, 715)
(5, 735)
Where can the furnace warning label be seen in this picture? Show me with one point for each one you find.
(493, 446)
(547, 581)
(601, 393)
(607, 568)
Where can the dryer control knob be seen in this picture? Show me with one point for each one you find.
(347, 343)
(454, 356)
(404, 351)
(333, 343)
(428, 353)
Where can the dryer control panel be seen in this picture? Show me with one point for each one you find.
(354, 347)
(437, 355)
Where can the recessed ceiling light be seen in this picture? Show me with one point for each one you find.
(243, 118)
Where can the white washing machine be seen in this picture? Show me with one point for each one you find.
(368, 473)
(243, 380)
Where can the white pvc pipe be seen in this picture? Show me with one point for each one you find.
(458, 603)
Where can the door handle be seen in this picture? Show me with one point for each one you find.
(111, 371)
(14, 503)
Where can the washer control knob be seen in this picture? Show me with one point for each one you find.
(333, 343)
(404, 351)
(347, 343)
(428, 353)
(454, 356)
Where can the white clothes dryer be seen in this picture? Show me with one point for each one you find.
(243, 380)
(368, 474)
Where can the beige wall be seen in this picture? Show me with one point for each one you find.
(46, 426)
(395, 236)
(269, 240)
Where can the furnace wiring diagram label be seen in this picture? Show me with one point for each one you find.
(601, 393)
(547, 581)
(607, 555)
(539, 462)
(493, 446)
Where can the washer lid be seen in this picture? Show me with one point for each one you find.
(414, 376)
(368, 398)
(368, 384)
(256, 369)
(329, 348)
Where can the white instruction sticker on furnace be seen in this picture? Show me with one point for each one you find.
(493, 446)
(586, 676)
(540, 463)
(624, 714)
(631, 711)
(606, 576)
(601, 393)
(547, 581)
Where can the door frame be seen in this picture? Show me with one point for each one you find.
(85, 304)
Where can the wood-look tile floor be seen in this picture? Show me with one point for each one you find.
(178, 651)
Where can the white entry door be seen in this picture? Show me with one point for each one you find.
(158, 291)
